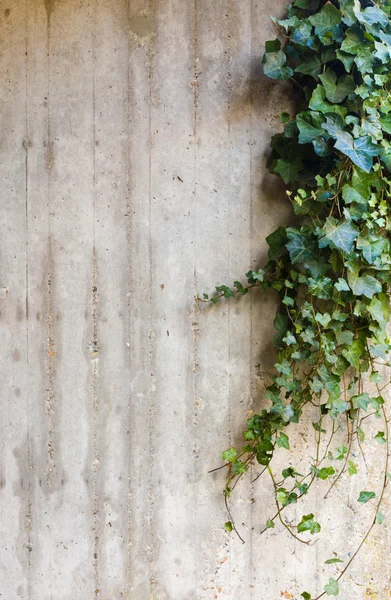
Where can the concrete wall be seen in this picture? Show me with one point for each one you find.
(133, 142)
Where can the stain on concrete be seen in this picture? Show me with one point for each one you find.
(142, 24)
(16, 355)
(49, 7)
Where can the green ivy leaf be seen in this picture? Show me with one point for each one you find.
(276, 242)
(332, 588)
(288, 169)
(360, 151)
(326, 19)
(275, 65)
(308, 523)
(229, 455)
(305, 596)
(228, 526)
(342, 285)
(337, 88)
(364, 497)
(301, 246)
(320, 287)
(269, 524)
(333, 561)
(283, 441)
(353, 40)
(341, 452)
(341, 234)
(379, 518)
(309, 124)
(372, 246)
(354, 353)
(319, 103)
(379, 437)
(310, 65)
(362, 401)
(352, 469)
(366, 285)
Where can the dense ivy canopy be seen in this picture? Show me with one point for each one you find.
(333, 271)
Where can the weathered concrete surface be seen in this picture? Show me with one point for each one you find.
(133, 142)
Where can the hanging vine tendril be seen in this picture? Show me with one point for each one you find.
(332, 272)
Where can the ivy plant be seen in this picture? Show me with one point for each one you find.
(332, 271)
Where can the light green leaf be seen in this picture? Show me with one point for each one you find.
(323, 319)
(342, 234)
(350, 194)
(269, 524)
(379, 437)
(275, 65)
(344, 337)
(228, 526)
(229, 455)
(340, 452)
(360, 151)
(307, 523)
(320, 287)
(372, 246)
(342, 285)
(283, 441)
(379, 309)
(352, 469)
(365, 285)
(353, 40)
(379, 518)
(375, 377)
(354, 353)
(332, 561)
(361, 401)
(332, 588)
(361, 434)
(371, 15)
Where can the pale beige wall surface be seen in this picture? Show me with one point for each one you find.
(133, 145)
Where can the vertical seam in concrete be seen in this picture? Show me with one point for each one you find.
(195, 319)
(27, 143)
(94, 314)
(229, 90)
(129, 289)
(50, 398)
(151, 393)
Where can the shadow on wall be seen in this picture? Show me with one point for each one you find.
(262, 101)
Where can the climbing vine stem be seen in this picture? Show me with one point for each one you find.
(332, 271)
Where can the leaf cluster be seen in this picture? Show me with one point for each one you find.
(331, 272)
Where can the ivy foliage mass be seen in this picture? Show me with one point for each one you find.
(333, 271)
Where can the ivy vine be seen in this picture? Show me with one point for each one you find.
(332, 272)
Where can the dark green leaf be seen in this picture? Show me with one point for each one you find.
(364, 497)
(326, 19)
(337, 88)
